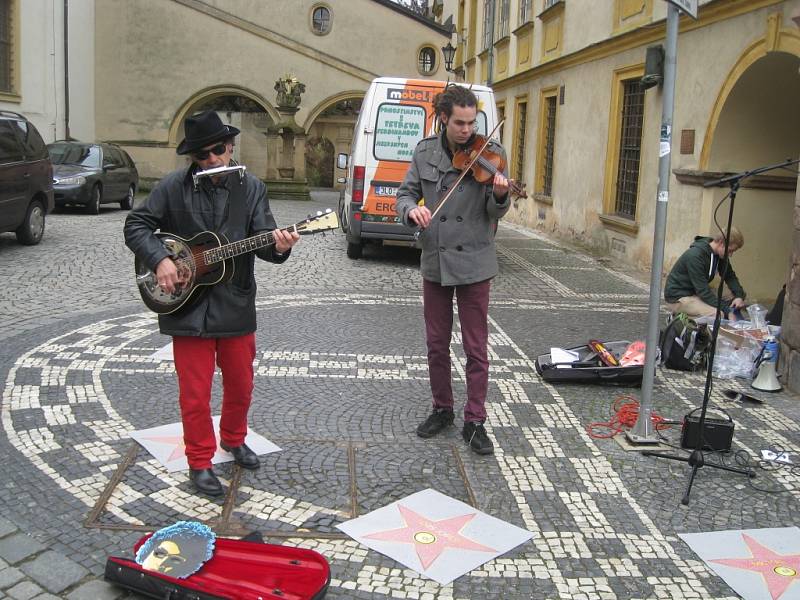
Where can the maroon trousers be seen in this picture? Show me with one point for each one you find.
(195, 360)
(473, 313)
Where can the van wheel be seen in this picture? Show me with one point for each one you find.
(32, 229)
(96, 197)
(354, 251)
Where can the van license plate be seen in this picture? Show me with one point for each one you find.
(385, 190)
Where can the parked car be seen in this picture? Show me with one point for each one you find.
(26, 178)
(89, 175)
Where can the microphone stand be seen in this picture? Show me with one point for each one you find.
(696, 458)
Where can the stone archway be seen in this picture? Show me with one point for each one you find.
(759, 125)
(333, 120)
(756, 116)
(240, 107)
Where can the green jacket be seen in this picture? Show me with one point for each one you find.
(695, 269)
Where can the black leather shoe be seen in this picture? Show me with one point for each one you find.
(436, 421)
(243, 456)
(206, 482)
(475, 435)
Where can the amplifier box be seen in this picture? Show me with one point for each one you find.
(717, 432)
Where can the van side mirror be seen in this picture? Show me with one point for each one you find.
(341, 160)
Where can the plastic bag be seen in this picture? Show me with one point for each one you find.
(731, 361)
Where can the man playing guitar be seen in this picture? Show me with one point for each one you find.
(218, 326)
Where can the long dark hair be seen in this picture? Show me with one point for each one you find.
(453, 95)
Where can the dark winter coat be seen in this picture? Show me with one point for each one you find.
(458, 246)
(174, 206)
(695, 269)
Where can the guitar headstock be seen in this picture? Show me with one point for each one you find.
(322, 221)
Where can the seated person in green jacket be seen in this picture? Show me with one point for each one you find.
(687, 288)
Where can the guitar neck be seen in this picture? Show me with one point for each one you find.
(251, 244)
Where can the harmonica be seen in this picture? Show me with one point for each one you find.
(218, 171)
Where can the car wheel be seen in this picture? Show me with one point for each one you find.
(93, 208)
(127, 202)
(354, 251)
(32, 228)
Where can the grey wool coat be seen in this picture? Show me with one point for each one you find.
(458, 246)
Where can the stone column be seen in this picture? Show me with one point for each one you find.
(286, 148)
(789, 366)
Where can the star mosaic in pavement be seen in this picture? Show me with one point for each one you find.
(437, 536)
(759, 564)
(431, 538)
(778, 570)
(165, 444)
(173, 441)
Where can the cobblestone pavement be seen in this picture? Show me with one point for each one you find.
(340, 386)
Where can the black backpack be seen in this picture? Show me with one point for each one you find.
(684, 343)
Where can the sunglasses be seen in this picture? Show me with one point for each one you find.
(218, 150)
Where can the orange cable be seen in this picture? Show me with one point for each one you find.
(626, 412)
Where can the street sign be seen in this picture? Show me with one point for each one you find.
(687, 6)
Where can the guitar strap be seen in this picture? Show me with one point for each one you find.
(236, 203)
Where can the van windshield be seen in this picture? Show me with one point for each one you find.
(399, 127)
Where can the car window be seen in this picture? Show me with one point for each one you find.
(31, 140)
(128, 160)
(10, 148)
(116, 156)
(75, 154)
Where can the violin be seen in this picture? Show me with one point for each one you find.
(488, 163)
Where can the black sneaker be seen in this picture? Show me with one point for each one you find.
(475, 435)
(438, 420)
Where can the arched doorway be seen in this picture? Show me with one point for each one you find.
(243, 109)
(319, 162)
(334, 122)
(757, 125)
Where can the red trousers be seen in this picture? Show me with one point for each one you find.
(195, 360)
(473, 313)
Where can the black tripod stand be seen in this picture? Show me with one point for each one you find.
(696, 459)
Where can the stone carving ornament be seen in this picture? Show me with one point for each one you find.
(289, 90)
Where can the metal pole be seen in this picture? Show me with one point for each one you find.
(643, 432)
(490, 57)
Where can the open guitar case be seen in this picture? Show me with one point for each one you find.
(589, 368)
(246, 569)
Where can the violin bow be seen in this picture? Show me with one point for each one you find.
(460, 177)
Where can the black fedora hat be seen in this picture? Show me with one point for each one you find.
(203, 129)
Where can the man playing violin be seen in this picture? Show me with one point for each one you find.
(458, 258)
(219, 327)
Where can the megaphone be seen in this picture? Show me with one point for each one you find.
(766, 379)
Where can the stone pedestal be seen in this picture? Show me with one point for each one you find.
(286, 148)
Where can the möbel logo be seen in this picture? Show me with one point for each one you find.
(409, 94)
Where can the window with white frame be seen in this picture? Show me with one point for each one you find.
(427, 60)
(525, 11)
(321, 20)
(487, 23)
(502, 9)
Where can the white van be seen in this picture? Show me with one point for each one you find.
(395, 115)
